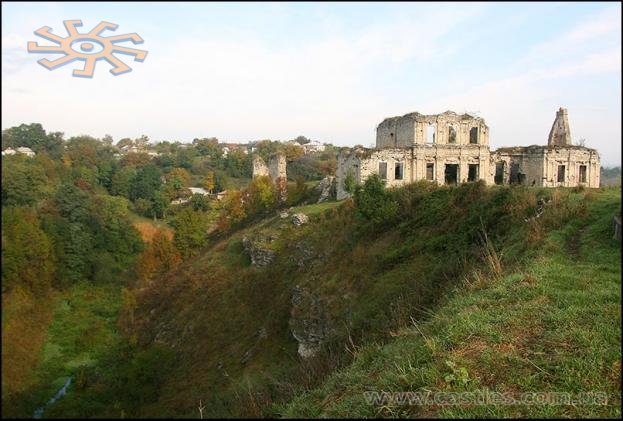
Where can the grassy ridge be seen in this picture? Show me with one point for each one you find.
(374, 281)
(551, 325)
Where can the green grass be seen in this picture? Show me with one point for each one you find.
(82, 331)
(316, 208)
(552, 325)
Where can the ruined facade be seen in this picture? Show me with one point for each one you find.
(449, 148)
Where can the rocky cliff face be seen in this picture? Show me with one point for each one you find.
(327, 188)
(308, 321)
(259, 251)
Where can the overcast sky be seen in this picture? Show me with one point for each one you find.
(330, 72)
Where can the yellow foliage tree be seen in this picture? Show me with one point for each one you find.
(208, 181)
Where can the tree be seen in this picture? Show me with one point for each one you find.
(83, 150)
(373, 202)
(160, 204)
(293, 152)
(126, 141)
(179, 177)
(107, 140)
(122, 180)
(146, 182)
(260, 196)
(238, 164)
(190, 230)
(349, 183)
(159, 257)
(23, 181)
(200, 202)
(27, 258)
(208, 147)
(302, 140)
(233, 210)
(28, 135)
(141, 142)
(208, 181)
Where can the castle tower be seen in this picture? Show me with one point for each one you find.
(560, 134)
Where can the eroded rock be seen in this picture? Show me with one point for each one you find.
(300, 219)
(326, 188)
(260, 253)
(308, 321)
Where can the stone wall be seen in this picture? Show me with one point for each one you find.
(277, 166)
(560, 133)
(415, 128)
(408, 140)
(539, 165)
(259, 166)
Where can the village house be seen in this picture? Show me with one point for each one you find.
(21, 150)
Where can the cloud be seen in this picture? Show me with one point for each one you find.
(334, 83)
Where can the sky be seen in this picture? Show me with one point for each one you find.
(328, 71)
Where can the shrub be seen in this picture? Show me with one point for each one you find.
(374, 203)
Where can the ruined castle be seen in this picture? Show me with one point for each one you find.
(450, 148)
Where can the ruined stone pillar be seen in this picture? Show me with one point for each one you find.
(560, 134)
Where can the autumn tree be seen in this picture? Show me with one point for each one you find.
(232, 211)
(159, 257)
(190, 230)
(208, 181)
(27, 258)
(260, 195)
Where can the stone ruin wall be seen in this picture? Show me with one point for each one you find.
(276, 170)
(405, 139)
(259, 166)
(413, 129)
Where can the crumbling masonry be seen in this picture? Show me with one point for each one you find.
(449, 148)
(276, 170)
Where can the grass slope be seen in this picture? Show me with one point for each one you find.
(552, 325)
(548, 322)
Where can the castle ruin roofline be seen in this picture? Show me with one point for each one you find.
(419, 117)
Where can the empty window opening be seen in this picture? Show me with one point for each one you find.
(383, 170)
(451, 135)
(582, 173)
(499, 173)
(398, 170)
(473, 135)
(472, 172)
(561, 173)
(515, 176)
(392, 138)
(452, 173)
(430, 133)
(430, 171)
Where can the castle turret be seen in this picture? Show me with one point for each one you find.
(560, 134)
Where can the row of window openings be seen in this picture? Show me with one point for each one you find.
(430, 135)
(451, 173)
(518, 177)
(581, 174)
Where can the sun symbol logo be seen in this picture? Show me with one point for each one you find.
(89, 47)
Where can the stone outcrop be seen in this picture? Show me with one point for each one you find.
(259, 250)
(300, 219)
(308, 321)
(326, 188)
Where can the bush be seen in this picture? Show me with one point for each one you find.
(373, 203)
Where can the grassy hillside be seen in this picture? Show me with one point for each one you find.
(550, 325)
(461, 290)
